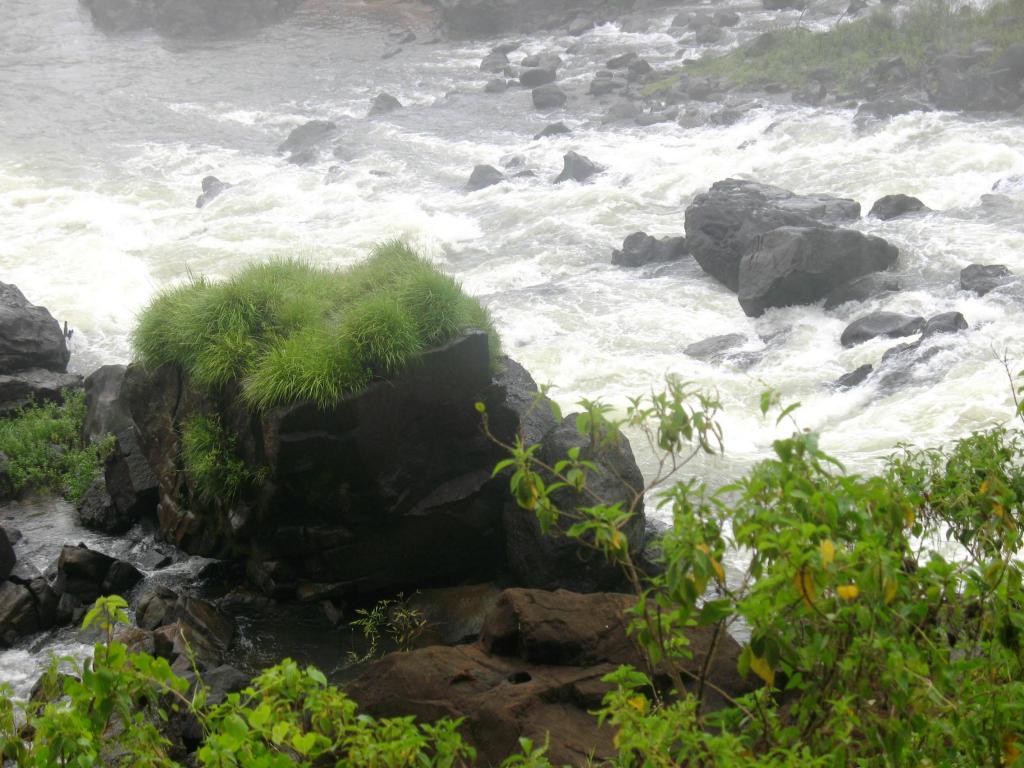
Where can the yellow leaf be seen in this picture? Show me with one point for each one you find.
(803, 580)
(889, 591)
(909, 517)
(760, 668)
(985, 484)
(998, 511)
(639, 703)
(828, 552)
(848, 591)
(719, 570)
(617, 540)
(1011, 748)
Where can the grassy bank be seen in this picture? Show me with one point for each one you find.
(853, 48)
(289, 331)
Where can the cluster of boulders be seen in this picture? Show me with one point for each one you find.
(32, 601)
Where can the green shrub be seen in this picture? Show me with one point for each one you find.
(208, 454)
(873, 646)
(44, 448)
(854, 47)
(289, 331)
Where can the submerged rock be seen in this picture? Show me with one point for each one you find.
(212, 187)
(947, 322)
(984, 278)
(894, 206)
(533, 78)
(888, 324)
(304, 143)
(383, 103)
(640, 248)
(554, 129)
(484, 176)
(716, 347)
(862, 289)
(576, 167)
(549, 97)
(853, 378)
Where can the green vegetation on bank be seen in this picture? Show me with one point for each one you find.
(882, 617)
(853, 48)
(287, 331)
(44, 448)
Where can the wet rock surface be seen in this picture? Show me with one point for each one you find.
(535, 672)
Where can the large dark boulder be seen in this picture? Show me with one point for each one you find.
(188, 18)
(726, 223)
(390, 489)
(968, 83)
(640, 248)
(34, 385)
(894, 206)
(128, 492)
(18, 615)
(551, 561)
(536, 673)
(30, 337)
(984, 278)
(801, 265)
(888, 324)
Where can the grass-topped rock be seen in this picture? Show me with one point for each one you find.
(287, 331)
(321, 424)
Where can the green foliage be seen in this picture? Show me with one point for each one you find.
(117, 708)
(392, 621)
(44, 448)
(208, 454)
(854, 47)
(289, 331)
(871, 645)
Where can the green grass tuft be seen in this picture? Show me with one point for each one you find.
(853, 47)
(44, 448)
(289, 331)
(208, 453)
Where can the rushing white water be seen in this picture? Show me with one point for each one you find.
(103, 142)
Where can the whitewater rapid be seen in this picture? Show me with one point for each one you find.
(103, 143)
